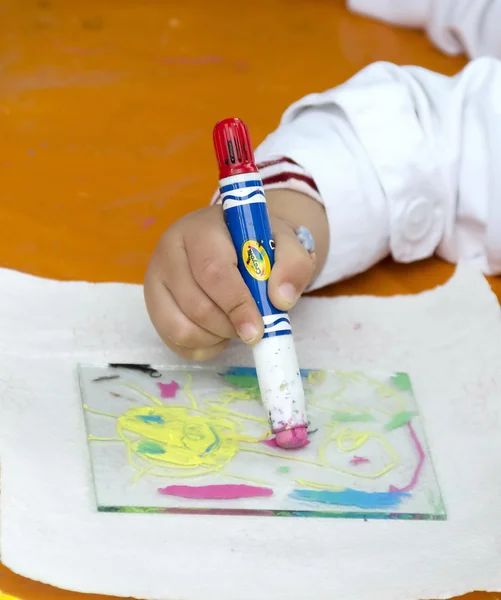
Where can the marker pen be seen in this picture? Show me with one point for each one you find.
(248, 222)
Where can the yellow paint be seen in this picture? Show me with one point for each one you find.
(333, 396)
(187, 441)
(188, 392)
(251, 479)
(349, 440)
(100, 412)
(317, 377)
(320, 486)
(176, 440)
(323, 462)
(383, 390)
(180, 440)
(7, 597)
(235, 413)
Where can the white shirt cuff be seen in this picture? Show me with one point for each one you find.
(322, 143)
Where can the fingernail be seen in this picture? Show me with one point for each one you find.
(288, 293)
(247, 332)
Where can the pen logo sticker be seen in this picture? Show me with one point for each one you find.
(256, 260)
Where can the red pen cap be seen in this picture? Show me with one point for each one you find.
(233, 148)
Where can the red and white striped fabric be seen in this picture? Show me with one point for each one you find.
(284, 173)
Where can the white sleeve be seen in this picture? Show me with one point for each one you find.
(407, 163)
(472, 27)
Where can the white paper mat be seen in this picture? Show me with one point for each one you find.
(449, 340)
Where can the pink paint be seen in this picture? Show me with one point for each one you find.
(168, 390)
(215, 492)
(358, 460)
(273, 444)
(148, 222)
(420, 451)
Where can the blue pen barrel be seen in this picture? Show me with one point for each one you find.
(249, 225)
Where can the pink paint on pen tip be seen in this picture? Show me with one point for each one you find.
(292, 438)
(273, 443)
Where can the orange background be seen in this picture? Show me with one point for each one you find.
(106, 113)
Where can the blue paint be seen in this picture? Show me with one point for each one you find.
(215, 443)
(150, 419)
(349, 497)
(251, 372)
(149, 447)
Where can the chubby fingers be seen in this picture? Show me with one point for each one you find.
(294, 267)
(213, 262)
(177, 331)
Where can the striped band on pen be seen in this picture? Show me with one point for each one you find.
(283, 173)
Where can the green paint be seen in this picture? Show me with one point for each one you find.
(402, 381)
(283, 387)
(437, 504)
(401, 418)
(149, 447)
(242, 381)
(347, 416)
(283, 469)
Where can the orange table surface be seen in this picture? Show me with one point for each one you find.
(106, 113)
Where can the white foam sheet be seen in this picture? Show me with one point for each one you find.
(448, 339)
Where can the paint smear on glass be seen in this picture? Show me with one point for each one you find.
(359, 460)
(251, 372)
(216, 492)
(168, 390)
(242, 381)
(151, 419)
(421, 455)
(402, 381)
(400, 419)
(317, 377)
(346, 417)
(349, 497)
(149, 447)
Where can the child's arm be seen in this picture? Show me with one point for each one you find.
(471, 27)
(398, 160)
(406, 162)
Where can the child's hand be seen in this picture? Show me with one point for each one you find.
(196, 297)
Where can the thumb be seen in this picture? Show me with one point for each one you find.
(293, 269)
